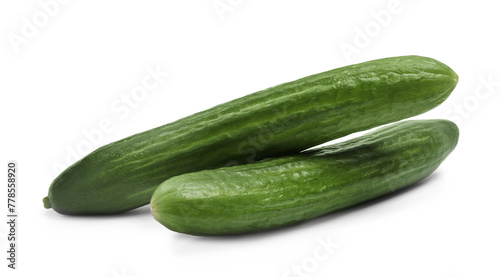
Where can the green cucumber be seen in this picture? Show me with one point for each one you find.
(286, 190)
(276, 121)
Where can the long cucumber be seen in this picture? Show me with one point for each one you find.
(281, 120)
(283, 191)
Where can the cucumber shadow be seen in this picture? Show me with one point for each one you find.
(315, 221)
(137, 212)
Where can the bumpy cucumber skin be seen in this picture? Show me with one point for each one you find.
(282, 191)
(281, 120)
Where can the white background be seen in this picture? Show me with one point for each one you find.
(64, 78)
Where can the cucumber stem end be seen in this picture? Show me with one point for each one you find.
(46, 203)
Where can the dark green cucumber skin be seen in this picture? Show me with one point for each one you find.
(276, 121)
(286, 190)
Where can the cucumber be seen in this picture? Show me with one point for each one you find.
(287, 190)
(276, 121)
